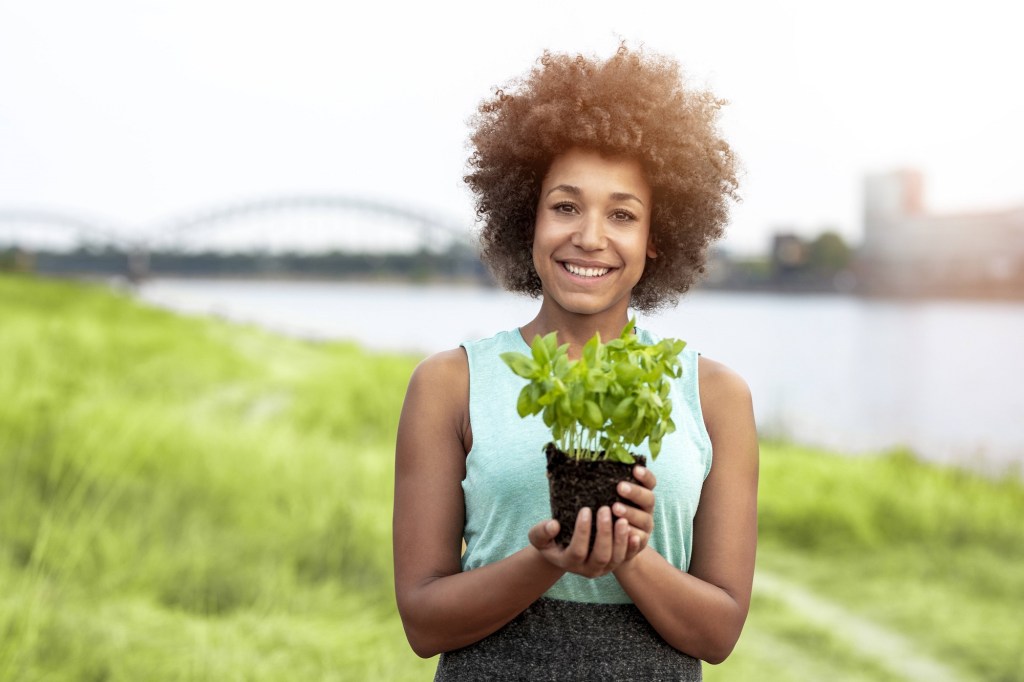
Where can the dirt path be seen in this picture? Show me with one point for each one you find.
(891, 649)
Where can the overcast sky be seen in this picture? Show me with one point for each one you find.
(137, 111)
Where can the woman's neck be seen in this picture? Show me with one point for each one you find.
(573, 328)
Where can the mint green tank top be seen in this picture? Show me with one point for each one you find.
(506, 487)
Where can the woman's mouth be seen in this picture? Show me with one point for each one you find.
(581, 271)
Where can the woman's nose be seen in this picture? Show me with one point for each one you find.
(589, 234)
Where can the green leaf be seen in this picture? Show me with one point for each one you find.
(596, 381)
(550, 418)
(520, 364)
(577, 395)
(623, 410)
(562, 366)
(540, 352)
(548, 394)
(555, 348)
(591, 349)
(627, 331)
(526, 406)
(620, 454)
(592, 417)
(626, 373)
(638, 418)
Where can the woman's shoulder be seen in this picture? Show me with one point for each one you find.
(437, 401)
(445, 370)
(720, 379)
(445, 375)
(724, 394)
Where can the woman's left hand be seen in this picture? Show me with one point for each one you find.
(641, 517)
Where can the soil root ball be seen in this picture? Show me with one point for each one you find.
(575, 484)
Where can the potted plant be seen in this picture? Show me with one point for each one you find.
(616, 395)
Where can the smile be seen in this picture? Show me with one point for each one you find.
(585, 272)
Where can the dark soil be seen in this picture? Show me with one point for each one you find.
(575, 484)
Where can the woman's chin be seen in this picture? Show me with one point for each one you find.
(586, 304)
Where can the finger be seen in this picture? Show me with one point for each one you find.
(621, 546)
(633, 547)
(638, 518)
(637, 494)
(645, 476)
(601, 554)
(579, 544)
(543, 533)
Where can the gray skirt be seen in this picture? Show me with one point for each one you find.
(562, 640)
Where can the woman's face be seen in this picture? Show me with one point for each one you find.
(592, 235)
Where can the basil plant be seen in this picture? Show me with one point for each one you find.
(615, 396)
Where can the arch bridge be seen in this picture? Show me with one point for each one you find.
(309, 223)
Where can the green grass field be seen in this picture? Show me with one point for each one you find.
(185, 499)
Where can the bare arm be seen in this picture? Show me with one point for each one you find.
(443, 608)
(702, 612)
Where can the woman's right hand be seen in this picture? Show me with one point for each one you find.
(611, 546)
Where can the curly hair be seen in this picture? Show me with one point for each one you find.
(632, 105)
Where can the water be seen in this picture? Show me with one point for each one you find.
(944, 379)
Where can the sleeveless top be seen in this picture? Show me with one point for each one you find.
(506, 487)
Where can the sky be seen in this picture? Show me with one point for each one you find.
(136, 111)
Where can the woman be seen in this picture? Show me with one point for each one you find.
(600, 185)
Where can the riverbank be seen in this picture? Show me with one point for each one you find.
(892, 366)
(183, 498)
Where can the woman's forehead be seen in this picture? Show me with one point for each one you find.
(579, 170)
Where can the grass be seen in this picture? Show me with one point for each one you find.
(184, 499)
(932, 554)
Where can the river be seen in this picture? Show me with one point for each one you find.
(942, 378)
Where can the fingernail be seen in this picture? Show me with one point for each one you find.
(585, 514)
(619, 509)
(551, 526)
(625, 488)
(640, 472)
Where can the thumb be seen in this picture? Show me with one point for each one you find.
(543, 533)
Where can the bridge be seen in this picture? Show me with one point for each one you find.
(309, 223)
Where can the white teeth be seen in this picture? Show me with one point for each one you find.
(586, 272)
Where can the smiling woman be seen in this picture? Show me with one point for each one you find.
(632, 106)
(600, 185)
(592, 233)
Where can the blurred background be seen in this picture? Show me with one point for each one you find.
(187, 497)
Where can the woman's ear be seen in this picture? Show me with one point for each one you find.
(651, 251)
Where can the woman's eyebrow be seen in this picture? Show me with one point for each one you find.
(626, 196)
(571, 189)
(575, 191)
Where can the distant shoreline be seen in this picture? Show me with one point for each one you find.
(476, 282)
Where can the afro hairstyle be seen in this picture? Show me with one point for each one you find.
(632, 105)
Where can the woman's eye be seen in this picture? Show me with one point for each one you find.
(623, 215)
(565, 208)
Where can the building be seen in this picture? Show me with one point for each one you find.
(909, 251)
